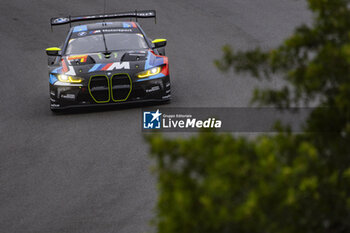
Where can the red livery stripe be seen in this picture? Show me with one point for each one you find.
(106, 66)
(64, 66)
(165, 70)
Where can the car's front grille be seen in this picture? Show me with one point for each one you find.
(98, 88)
(121, 86)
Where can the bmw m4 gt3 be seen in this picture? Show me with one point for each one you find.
(107, 63)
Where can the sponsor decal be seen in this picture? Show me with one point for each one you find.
(155, 88)
(68, 96)
(110, 66)
(118, 66)
(55, 105)
(117, 30)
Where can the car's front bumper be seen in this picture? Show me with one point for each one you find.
(64, 96)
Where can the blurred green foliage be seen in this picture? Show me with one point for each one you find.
(283, 183)
(219, 183)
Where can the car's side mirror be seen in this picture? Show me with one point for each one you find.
(158, 43)
(53, 51)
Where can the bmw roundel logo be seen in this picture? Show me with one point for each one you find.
(82, 33)
(61, 20)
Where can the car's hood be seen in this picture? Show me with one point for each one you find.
(116, 62)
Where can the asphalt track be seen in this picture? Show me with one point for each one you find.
(90, 172)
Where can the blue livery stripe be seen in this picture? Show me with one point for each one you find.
(57, 70)
(158, 61)
(81, 28)
(147, 65)
(127, 25)
(153, 61)
(53, 79)
(160, 75)
(94, 68)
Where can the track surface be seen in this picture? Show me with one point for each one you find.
(89, 172)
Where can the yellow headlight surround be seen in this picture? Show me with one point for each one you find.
(150, 72)
(69, 79)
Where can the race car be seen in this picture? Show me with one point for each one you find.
(107, 63)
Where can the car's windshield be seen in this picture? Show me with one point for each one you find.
(114, 41)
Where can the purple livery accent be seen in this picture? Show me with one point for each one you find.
(57, 70)
(153, 60)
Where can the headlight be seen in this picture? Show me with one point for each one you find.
(69, 79)
(148, 73)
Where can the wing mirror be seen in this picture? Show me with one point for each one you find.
(53, 51)
(158, 43)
